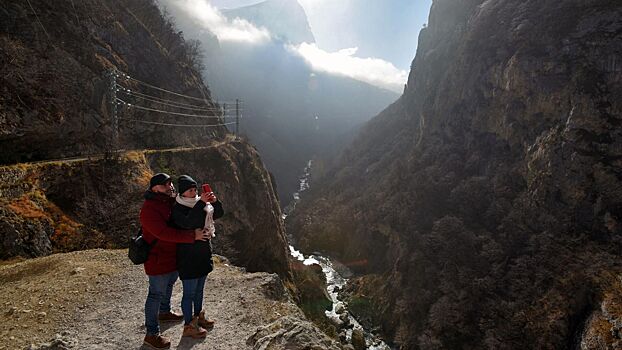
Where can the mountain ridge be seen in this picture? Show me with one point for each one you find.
(485, 203)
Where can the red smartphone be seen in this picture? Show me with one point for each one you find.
(206, 188)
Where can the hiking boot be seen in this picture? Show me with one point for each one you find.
(170, 317)
(157, 342)
(194, 330)
(205, 323)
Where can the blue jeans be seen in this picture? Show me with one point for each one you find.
(193, 294)
(158, 300)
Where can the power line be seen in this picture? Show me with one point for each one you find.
(38, 20)
(123, 75)
(168, 112)
(161, 99)
(126, 76)
(165, 102)
(171, 124)
(168, 103)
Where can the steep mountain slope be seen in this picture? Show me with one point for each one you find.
(285, 19)
(55, 94)
(484, 206)
(55, 104)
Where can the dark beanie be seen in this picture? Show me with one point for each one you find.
(184, 183)
(159, 179)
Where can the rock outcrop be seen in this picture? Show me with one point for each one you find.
(63, 206)
(489, 196)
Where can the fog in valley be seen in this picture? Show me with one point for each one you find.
(309, 73)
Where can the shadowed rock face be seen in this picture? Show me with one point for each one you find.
(489, 196)
(54, 92)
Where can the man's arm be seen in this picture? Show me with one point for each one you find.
(155, 224)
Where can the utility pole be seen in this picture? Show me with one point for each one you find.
(113, 108)
(237, 117)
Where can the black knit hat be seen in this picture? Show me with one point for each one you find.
(159, 179)
(184, 183)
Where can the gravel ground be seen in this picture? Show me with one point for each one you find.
(95, 299)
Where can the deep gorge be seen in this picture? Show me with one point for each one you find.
(485, 203)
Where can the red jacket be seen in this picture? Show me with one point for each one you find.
(154, 217)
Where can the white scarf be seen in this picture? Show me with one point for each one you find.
(209, 209)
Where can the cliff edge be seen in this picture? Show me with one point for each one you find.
(94, 299)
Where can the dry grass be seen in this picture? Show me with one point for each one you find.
(28, 209)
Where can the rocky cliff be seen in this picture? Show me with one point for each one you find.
(483, 208)
(62, 206)
(55, 94)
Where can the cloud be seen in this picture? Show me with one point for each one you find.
(199, 15)
(374, 71)
(206, 16)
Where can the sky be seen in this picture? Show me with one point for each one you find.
(368, 40)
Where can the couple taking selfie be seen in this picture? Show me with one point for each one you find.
(179, 229)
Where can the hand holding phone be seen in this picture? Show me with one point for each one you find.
(206, 194)
(206, 188)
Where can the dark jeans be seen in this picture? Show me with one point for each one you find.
(193, 294)
(158, 300)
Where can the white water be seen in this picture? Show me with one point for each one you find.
(335, 281)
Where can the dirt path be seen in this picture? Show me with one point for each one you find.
(119, 152)
(95, 299)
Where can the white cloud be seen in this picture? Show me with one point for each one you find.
(208, 17)
(374, 71)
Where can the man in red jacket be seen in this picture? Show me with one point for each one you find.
(161, 264)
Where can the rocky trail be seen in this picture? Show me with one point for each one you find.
(94, 300)
(122, 152)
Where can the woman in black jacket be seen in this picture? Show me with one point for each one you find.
(194, 260)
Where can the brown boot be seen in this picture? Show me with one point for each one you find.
(170, 317)
(194, 330)
(157, 342)
(205, 323)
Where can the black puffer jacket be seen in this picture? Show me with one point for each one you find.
(194, 260)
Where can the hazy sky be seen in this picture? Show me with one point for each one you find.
(386, 29)
(369, 40)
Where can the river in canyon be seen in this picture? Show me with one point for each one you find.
(337, 275)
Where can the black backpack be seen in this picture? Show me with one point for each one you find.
(138, 251)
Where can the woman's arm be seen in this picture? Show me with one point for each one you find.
(218, 210)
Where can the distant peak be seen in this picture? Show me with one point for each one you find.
(285, 19)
